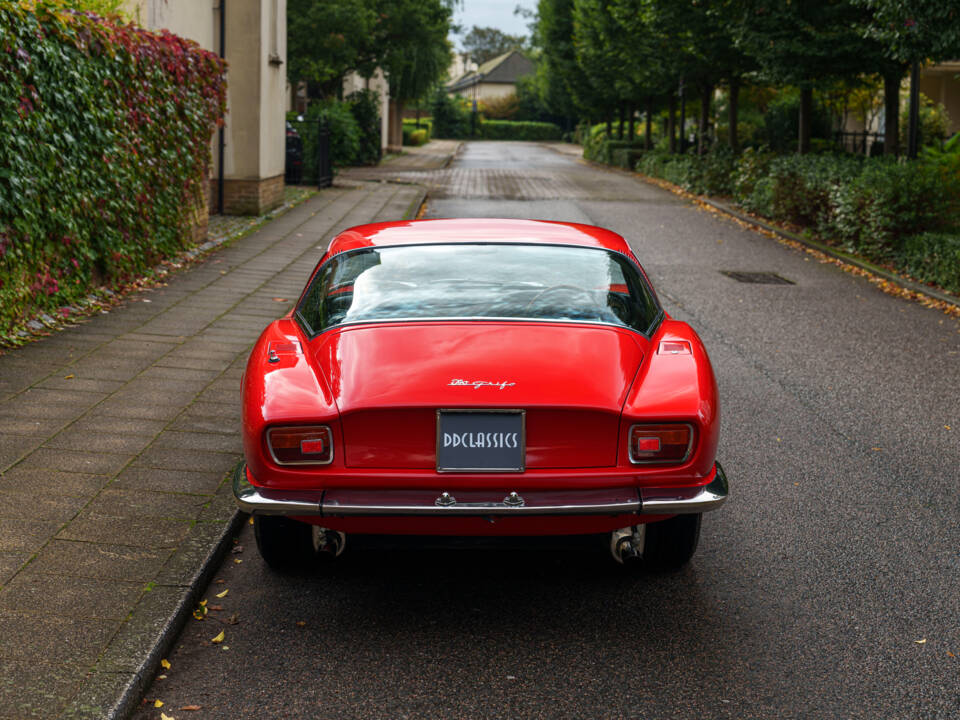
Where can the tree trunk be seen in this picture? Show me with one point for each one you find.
(683, 122)
(913, 145)
(395, 126)
(891, 112)
(806, 115)
(648, 119)
(734, 110)
(620, 126)
(672, 122)
(704, 125)
(630, 122)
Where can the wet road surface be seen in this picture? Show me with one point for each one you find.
(827, 587)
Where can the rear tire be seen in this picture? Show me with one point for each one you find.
(669, 544)
(284, 544)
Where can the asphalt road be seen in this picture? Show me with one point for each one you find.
(827, 587)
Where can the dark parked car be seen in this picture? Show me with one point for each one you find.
(294, 167)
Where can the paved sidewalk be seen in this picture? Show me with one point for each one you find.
(435, 155)
(115, 440)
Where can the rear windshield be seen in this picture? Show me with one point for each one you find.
(465, 281)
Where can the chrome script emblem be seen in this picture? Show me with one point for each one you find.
(477, 384)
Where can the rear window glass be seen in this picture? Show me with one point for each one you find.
(465, 281)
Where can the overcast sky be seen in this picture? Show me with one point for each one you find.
(492, 13)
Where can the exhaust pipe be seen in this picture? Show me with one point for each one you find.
(626, 544)
(330, 542)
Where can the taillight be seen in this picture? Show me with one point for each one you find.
(304, 445)
(666, 443)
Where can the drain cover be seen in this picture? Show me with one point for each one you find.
(758, 278)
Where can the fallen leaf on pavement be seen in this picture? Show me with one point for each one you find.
(70, 377)
(165, 664)
(280, 300)
(219, 638)
(237, 560)
(216, 607)
(301, 623)
(158, 703)
(237, 549)
(223, 594)
(164, 716)
(191, 707)
(921, 641)
(233, 619)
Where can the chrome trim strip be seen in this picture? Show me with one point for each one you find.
(479, 508)
(661, 501)
(651, 501)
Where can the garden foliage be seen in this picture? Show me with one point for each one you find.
(906, 214)
(104, 151)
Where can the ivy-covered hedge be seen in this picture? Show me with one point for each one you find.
(104, 151)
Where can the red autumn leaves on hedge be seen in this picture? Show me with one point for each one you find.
(104, 151)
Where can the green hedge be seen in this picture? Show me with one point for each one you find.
(904, 213)
(414, 137)
(518, 130)
(104, 147)
(410, 124)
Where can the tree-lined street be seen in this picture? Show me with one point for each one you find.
(826, 587)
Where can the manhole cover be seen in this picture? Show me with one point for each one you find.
(758, 278)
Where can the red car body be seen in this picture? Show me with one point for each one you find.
(380, 388)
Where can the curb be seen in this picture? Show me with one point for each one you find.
(189, 597)
(832, 252)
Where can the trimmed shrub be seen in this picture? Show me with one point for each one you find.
(104, 150)
(345, 135)
(510, 130)
(414, 137)
(932, 257)
(365, 107)
(450, 117)
(426, 124)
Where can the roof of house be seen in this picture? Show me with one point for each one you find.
(506, 68)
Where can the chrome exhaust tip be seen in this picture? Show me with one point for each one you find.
(626, 544)
(330, 542)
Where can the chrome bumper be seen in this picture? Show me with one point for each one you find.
(344, 503)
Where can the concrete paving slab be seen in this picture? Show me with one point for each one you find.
(191, 460)
(31, 690)
(54, 640)
(215, 442)
(85, 440)
(10, 564)
(40, 594)
(34, 479)
(120, 502)
(131, 531)
(33, 505)
(99, 560)
(181, 481)
(23, 535)
(93, 463)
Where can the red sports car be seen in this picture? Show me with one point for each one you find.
(477, 377)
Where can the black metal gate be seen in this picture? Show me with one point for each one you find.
(308, 159)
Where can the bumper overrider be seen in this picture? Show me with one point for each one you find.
(411, 503)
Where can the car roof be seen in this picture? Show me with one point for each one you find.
(476, 230)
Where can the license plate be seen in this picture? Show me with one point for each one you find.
(481, 440)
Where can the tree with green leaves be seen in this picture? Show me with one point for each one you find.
(486, 43)
(804, 44)
(909, 33)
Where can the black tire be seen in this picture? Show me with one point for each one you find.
(284, 544)
(669, 544)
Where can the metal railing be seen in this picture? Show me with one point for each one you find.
(308, 158)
